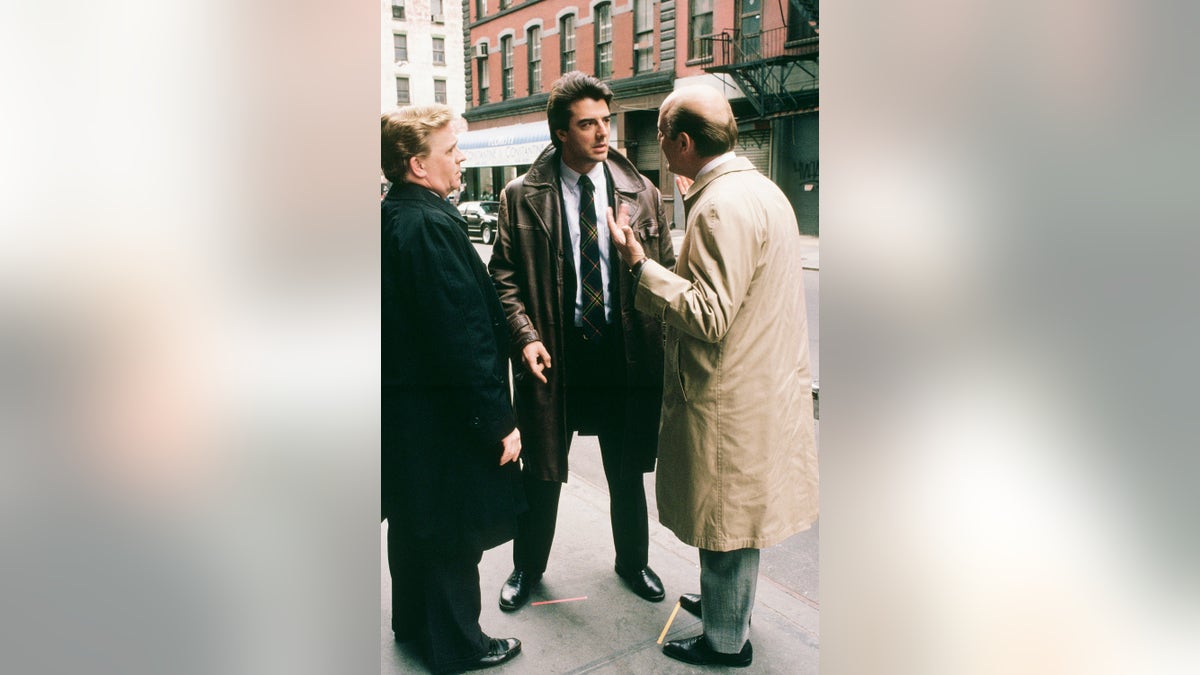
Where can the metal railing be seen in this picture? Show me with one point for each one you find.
(734, 47)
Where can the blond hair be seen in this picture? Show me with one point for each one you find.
(405, 134)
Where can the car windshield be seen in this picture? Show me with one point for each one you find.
(490, 208)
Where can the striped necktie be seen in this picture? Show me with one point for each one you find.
(590, 280)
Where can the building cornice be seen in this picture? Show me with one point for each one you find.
(504, 12)
(513, 106)
(638, 85)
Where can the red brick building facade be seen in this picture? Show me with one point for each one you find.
(762, 53)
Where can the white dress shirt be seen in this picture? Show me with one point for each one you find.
(569, 180)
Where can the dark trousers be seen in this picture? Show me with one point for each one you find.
(435, 599)
(595, 406)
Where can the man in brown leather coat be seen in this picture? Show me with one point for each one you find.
(584, 360)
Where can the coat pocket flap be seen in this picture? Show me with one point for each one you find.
(646, 230)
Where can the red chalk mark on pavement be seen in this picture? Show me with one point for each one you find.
(551, 602)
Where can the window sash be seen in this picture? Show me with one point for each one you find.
(568, 33)
(643, 58)
(484, 80)
(603, 23)
(643, 16)
(604, 60)
(701, 27)
(535, 77)
(534, 41)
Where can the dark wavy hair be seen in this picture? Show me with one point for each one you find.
(565, 91)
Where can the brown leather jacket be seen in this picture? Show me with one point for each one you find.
(527, 269)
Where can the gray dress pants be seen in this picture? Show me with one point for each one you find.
(728, 581)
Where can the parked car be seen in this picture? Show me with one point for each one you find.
(481, 219)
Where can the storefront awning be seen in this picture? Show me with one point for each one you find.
(512, 145)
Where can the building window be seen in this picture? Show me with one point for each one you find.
(750, 26)
(566, 43)
(400, 46)
(480, 9)
(533, 40)
(398, 9)
(506, 66)
(439, 91)
(505, 4)
(402, 97)
(435, 9)
(484, 80)
(439, 51)
(801, 21)
(604, 55)
(643, 36)
(700, 27)
(643, 16)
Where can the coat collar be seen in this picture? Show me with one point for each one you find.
(734, 165)
(544, 172)
(408, 192)
(542, 190)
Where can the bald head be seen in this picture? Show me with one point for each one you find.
(703, 113)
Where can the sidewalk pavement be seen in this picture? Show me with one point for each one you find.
(613, 630)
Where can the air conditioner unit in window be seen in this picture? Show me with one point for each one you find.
(438, 18)
(481, 50)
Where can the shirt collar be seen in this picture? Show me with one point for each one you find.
(572, 176)
(715, 162)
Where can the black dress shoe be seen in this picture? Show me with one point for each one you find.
(645, 583)
(499, 651)
(697, 651)
(516, 590)
(690, 602)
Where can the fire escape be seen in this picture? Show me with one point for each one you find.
(775, 68)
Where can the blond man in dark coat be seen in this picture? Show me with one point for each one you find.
(451, 486)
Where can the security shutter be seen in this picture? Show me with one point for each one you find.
(648, 152)
(756, 147)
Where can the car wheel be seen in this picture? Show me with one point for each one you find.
(485, 233)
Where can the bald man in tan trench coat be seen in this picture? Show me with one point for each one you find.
(737, 465)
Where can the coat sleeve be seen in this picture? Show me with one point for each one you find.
(506, 277)
(451, 312)
(722, 254)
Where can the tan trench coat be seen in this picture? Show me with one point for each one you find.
(737, 463)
